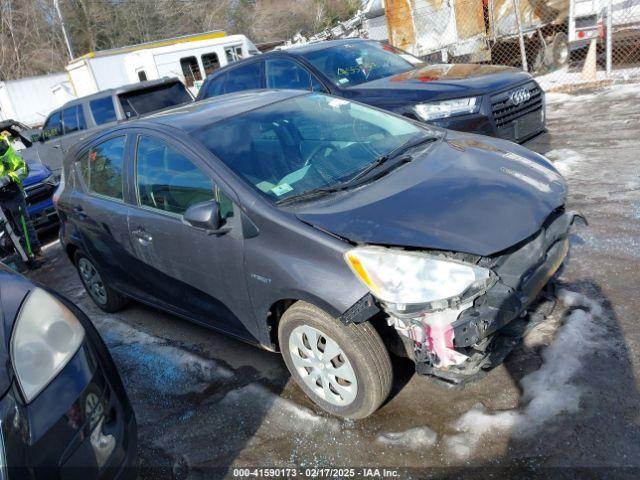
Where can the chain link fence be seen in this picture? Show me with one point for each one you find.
(561, 42)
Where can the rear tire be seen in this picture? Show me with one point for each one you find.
(102, 295)
(344, 369)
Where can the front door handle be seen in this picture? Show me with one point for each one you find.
(142, 236)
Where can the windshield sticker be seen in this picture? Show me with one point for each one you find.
(343, 80)
(281, 189)
(336, 102)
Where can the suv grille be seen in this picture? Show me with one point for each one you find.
(504, 112)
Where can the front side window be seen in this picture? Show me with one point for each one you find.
(190, 70)
(210, 63)
(246, 77)
(167, 180)
(73, 119)
(101, 168)
(307, 142)
(351, 64)
(53, 126)
(281, 73)
(103, 110)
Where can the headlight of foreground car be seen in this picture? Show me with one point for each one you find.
(411, 281)
(447, 108)
(45, 337)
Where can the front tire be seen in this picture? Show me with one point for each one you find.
(102, 295)
(344, 369)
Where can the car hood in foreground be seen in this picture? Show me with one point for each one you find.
(13, 288)
(467, 193)
(450, 79)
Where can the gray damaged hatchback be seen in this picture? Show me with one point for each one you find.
(331, 231)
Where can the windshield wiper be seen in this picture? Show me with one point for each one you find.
(314, 192)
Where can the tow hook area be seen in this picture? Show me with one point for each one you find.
(432, 335)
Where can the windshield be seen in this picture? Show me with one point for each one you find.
(307, 142)
(139, 102)
(355, 63)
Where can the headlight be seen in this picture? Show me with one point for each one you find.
(45, 337)
(447, 108)
(406, 279)
(52, 180)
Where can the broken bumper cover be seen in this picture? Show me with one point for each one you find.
(458, 344)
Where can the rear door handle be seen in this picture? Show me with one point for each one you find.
(142, 236)
(80, 212)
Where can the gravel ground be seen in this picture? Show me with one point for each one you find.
(566, 398)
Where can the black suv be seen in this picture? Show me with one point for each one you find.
(492, 100)
(324, 228)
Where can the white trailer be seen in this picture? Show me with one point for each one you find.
(190, 58)
(29, 100)
(588, 19)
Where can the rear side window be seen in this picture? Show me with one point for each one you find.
(103, 110)
(73, 119)
(190, 70)
(246, 77)
(101, 168)
(53, 127)
(167, 180)
(281, 73)
(140, 102)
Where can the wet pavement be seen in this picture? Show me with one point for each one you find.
(567, 397)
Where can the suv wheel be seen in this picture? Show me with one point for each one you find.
(102, 295)
(345, 369)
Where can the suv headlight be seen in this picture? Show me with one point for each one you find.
(45, 337)
(52, 180)
(447, 108)
(413, 279)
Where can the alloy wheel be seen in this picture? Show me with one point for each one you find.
(323, 365)
(92, 281)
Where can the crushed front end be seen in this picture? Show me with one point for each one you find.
(461, 338)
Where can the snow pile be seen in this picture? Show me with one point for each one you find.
(564, 160)
(548, 391)
(278, 412)
(414, 438)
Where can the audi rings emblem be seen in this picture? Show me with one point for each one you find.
(519, 96)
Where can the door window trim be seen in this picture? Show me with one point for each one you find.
(80, 177)
(138, 204)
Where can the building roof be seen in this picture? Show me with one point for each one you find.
(196, 37)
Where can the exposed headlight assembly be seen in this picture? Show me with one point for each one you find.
(413, 281)
(45, 337)
(447, 108)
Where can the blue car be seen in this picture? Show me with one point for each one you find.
(41, 183)
(39, 188)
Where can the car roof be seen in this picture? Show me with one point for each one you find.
(131, 87)
(321, 45)
(193, 116)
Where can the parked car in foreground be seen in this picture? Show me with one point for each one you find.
(40, 185)
(491, 100)
(63, 410)
(323, 228)
(77, 119)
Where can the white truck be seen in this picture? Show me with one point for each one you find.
(190, 58)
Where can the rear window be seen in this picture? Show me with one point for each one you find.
(140, 102)
(103, 110)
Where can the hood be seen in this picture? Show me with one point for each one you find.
(458, 79)
(13, 288)
(467, 193)
(37, 173)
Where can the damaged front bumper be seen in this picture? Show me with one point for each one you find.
(459, 343)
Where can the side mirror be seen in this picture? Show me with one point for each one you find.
(205, 215)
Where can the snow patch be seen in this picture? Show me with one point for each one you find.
(564, 160)
(548, 391)
(278, 412)
(414, 438)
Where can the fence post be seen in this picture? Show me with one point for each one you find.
(609, 36)
(523, 52)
